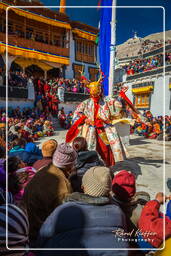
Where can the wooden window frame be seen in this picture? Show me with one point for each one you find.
(75, 66)
(85, 51)
(142, 100)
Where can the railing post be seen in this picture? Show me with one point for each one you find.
(45, 74)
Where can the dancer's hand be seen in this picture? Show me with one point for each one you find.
(161, 198)
(125, 88)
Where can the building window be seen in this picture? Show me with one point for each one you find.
(2, 25)
(142, 100)
(93, 74)
(85, 50)
(77, 71)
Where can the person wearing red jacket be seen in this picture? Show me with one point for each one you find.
(46, 88)
(151, 222)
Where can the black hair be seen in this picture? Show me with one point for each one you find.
(2, 152)
(19, 142)
(13, 164)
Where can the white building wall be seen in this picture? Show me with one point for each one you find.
(129, 93)
(17, 103)
(167, 95)
(69, 72)
(158, 99)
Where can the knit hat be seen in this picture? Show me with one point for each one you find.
(97, 181)
(18, 228)
(49, 147)
(123, 185)
(64, 155)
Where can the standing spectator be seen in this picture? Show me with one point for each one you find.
(62, 117)
(61, 91)
(152, 220)
(30, 86)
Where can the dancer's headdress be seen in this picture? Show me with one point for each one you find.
(95, 87)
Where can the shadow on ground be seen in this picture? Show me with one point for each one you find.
(138, 141)
(133, 165)
(128, 165)
(145, 161)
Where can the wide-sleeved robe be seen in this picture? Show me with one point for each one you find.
(95, 120)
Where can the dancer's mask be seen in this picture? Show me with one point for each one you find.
(95, 88)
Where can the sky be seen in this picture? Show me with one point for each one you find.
(144, 21)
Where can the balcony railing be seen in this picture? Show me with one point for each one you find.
(22, 93)
(75, 97)
(14, 92)
(22, 42)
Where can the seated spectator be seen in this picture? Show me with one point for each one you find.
(18, 227)
(18, 149)
(48, 149)
(32, 148)
(168, 132)
(2, 170)
(132, 203)
(24, 176)
(48, 188)
(86, 159)
(47, 128)
(18, 177)
(151, 220)
(86, 220)
(28, 126)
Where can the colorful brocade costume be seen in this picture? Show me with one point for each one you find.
(96, 119)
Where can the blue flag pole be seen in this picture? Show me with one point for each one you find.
(107, 44)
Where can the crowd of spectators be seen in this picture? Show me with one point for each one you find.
(18, 79)
(46, 93)
(153, 127)
(151, 45)
(26, 123)
(68, 85)
(63, 196)
(21, 79)
(142, 65)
